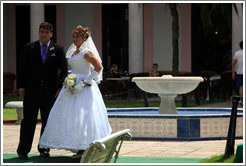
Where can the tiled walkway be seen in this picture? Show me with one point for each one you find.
(180, 149)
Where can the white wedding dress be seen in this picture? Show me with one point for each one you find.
(76, 120)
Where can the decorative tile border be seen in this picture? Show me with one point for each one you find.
(176, 127)
(146, 127)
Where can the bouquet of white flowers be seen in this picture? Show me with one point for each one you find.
(70, 83)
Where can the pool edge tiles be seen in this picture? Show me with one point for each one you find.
(176, 127)
(146, 127)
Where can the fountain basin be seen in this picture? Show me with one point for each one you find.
(188, 124)
(167, 84)
(167, 87)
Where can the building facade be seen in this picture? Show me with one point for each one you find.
(134, 36)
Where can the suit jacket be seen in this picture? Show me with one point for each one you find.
(33, 73)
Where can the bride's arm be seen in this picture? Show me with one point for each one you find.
(90, 57)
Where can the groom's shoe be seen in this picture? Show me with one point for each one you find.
(23, 156)
(45, 154)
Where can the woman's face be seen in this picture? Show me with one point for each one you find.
(155, 67)
(77, 40)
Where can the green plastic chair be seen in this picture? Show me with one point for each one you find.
(102, 150)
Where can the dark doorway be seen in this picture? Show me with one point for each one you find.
(23, 28)
(211, 46)
(50, 17)
(22, 32)
(115, 35)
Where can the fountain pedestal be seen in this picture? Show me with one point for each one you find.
(167, 105)
(167, 87)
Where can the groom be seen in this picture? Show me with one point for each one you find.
(43, 67)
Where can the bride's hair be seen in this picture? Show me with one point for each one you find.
(83, 32)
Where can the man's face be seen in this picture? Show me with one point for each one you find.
(45, 35)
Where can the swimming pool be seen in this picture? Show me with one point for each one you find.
(188, 124)
(181, 111)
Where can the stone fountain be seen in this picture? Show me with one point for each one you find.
(167, 87)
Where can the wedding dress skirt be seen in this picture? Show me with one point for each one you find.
(76, 120)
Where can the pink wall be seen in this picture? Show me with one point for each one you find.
(97, 26)
(186, 37)
(11, 40)
(148, 37)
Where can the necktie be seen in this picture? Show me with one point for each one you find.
(44, 53)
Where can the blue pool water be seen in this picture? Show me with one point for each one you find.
(181, 111)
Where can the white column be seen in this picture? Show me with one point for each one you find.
(237, 28)
(36, 17)
(135, 38)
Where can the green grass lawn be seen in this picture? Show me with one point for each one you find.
(138, 103)
(10, 114)
(219, 159)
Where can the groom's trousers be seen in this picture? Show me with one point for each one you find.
(39, 97)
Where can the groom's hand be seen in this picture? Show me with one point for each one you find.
(86, 84)
(57, 93)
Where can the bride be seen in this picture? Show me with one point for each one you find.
(78, 118)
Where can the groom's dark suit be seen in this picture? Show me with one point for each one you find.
(41, 82)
